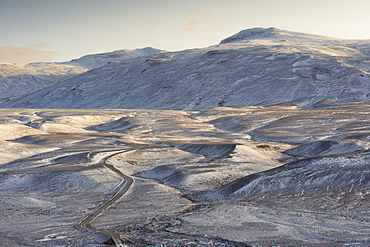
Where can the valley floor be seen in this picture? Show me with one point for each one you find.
(230, 176)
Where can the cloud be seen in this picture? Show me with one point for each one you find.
(24, 55)
(37, 46)
(221, 22)
(203, 16)
(152, 23)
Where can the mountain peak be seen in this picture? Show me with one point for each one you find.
(96, 60)
(274, 34)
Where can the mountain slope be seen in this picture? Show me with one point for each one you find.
(18, 80)
(98, 60)
(255, 67)
(275, 34)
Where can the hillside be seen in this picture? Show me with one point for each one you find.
(17, 80)
(97, 60)
(254, 67)
(343, 175)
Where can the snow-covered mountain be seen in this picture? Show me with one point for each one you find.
(254, 67)
(275, 34)
(97, 60)
(16, 80)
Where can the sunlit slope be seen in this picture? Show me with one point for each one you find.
(17, 80)
(97, 60)
(324, 176)
(255, 67)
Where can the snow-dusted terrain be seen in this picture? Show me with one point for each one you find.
(255, 67)
(17, 80)
(97, 60)
(165, 177)
(262, 140)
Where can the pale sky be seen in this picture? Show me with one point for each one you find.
(61, 30)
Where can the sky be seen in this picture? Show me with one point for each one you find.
(61, 30)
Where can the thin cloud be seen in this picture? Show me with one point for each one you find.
(37, 46)
(203, 16)
(24, 55)
(221, 22)
(153, 23)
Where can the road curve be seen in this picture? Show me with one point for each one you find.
(124, 186)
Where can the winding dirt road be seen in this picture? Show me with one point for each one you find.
(124, 187)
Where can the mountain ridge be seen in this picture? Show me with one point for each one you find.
(273, 33)
(97, 60)
(17, 80)
(249, 71)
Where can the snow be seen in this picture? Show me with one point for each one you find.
(275, 34)
(206, 168)
(98, 60)
(17, 80)
(327, 147)
(317, 177)
(303, 71)
(52, 175)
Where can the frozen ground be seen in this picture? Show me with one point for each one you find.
(229, 176)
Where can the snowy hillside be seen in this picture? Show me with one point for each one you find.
(329, 175)
(274, 34)
(98, 60)
(255, 67)
(17, 80)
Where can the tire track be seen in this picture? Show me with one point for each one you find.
(124, 187)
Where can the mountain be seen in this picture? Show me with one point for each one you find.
(275, 34)
(254, 67)
(98, 60)
(18, 80)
